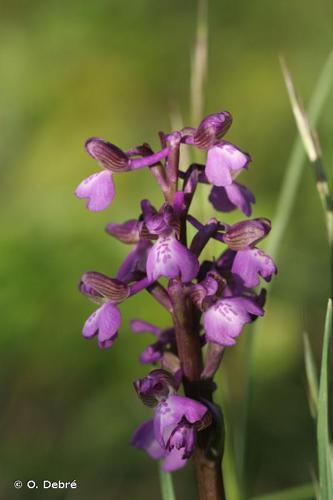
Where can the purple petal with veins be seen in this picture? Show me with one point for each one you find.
(104, 323)
(223, 160)
(168, 257)
(144, 439)
(169, 414)
(98, 189)
(252, 263)
(223, 322)
(228, 198)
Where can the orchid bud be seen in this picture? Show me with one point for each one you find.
(204, 292)
(128, 232)
(211, 129)
(155, 387)
(246, 233)
(110, 288)
(108, 155)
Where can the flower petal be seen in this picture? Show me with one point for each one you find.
(144, 439)
(170, 258)
(225, 319)
(251, 263)
(222, 161)
(140, 326)
(228, 198)
(98, 189)
(109, 321)
(174, 460)
(170, 412)
(134, 262)
(90, 327)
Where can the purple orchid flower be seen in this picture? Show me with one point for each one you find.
(224, 321)
(168, 257)
(105, 321)
(251, 263)
(171, 434)
(99, 188)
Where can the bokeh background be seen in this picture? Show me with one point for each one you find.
(116, 69)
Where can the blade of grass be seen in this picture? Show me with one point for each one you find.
(311, 375)
(199, 63)
(166, 485)
(282, 216)
(323, 438)
(304, 492)
(296, 160)
(312, 148)
(311, 145)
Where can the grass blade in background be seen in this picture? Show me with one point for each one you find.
(166, 485)
(312, 148)
(311, 376)
(199, 64)
(304, 492)
(281, 219)
(323, 438)
(294, 168)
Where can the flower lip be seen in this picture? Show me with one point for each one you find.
(212, 128)
(107, 154)
(169, 258)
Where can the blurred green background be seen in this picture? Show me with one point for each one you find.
(115, 69)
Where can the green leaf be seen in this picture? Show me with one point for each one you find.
(311, 375)
(323, 438)
(166, 485)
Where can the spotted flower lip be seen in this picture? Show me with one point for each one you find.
(228, 198)
(250, 264)
(224, 160)
(224, 321)
(168, 257)
(103, 323)
(211, 129)
(98, 189)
